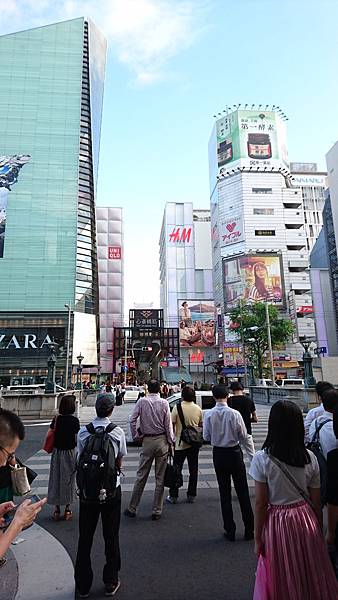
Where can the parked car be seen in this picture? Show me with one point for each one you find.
(266, 383)
(132, 392)
(204, 399)
(291, 383)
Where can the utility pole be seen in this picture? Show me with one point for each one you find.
(69, 306)
(125, 358)
(243, 347)
(270, 342)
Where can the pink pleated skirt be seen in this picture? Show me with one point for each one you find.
(294, 564)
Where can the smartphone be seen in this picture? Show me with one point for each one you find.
(35, 498)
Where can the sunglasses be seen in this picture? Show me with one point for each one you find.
(10, 455)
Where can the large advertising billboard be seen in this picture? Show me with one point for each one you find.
(255, 278)
(197, 325)
(251, 138)
(9, 171)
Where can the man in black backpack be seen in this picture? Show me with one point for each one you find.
(101, 447)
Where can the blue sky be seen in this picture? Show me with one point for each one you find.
(172, 65)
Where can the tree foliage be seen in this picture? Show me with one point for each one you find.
(256, 341)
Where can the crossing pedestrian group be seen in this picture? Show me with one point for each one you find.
(295, 475)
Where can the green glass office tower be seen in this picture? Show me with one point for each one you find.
(51, 95)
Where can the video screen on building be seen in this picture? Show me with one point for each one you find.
(197, 323)
(255, 278)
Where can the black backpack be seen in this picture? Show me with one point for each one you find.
(96, 474)
(316, 448)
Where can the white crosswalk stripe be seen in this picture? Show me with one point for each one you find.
(40, 462)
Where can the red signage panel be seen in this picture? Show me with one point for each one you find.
(114, 252)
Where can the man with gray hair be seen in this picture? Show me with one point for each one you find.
(100, 441)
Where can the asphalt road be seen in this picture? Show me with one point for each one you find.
(184, 555)
(181, 556)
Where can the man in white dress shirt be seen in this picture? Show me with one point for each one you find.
(321, 387)
(327, 438)
(224, 428)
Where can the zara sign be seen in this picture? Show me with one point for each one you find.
(29, 342)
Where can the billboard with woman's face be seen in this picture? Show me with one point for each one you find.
(197, 323)
(255, 278)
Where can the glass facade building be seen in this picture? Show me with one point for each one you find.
(51, 96)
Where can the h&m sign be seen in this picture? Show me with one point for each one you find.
(180, 235)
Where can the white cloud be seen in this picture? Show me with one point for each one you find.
(143, 34)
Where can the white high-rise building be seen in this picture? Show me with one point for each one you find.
(313, 184)
(110, 255)
(259, 243)
(186, 285)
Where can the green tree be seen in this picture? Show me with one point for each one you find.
(249, 323)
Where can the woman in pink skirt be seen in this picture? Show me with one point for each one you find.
(293, 563)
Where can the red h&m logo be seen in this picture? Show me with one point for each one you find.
(114, 252)
(177, 236)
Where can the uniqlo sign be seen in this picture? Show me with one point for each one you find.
(114, 252)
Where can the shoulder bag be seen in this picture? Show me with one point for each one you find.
(292, 480)
(48, 445)
(190, 434)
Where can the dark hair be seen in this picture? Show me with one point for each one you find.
(259, 282)
(220, 391)
(285, 439)
(330, 399)
(185, 302)
(11, 427)
(188, 394)
(236, 386)
(323, 386)
(67, 404)
(154, 386)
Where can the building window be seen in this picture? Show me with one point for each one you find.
(181, 281)
(199, 281)
(262, 190)
(180, 258)
(263, 211)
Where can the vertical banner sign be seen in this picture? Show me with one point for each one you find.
(9, 170)
(293, 315)
(114, 253)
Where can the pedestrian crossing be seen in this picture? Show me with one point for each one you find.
(40, 463)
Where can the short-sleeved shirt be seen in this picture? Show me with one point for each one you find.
(192, 416)
(66, 428)
(245, 406)
(280, 489)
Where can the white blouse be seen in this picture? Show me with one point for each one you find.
(280, 489)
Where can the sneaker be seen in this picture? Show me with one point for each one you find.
(112, 588)
(84, 595)
(129, 513)
(171, 500)
(190, 499)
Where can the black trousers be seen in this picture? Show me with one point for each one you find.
(191, 454)
(89, 516)
(228, 462)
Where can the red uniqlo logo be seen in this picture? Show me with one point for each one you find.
(114, 252)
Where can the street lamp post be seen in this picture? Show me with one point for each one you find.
(79, 380)
(50, 381)
(69, 306)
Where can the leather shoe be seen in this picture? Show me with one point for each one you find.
(129, 513)
(155, 517)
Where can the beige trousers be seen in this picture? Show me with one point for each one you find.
(153, 448)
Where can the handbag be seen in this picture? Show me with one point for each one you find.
(48, 445)
(20, 483)
(190, 434)
(173, 475)
(31, 475)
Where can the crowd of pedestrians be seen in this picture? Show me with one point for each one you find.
(295, 474)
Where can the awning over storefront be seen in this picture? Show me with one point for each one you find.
(175, 374)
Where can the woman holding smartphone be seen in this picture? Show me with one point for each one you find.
(293, 561)
(61, 485)
(12, 432)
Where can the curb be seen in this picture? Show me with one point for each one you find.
(45, 569)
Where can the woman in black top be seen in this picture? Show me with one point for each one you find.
(61, 485)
